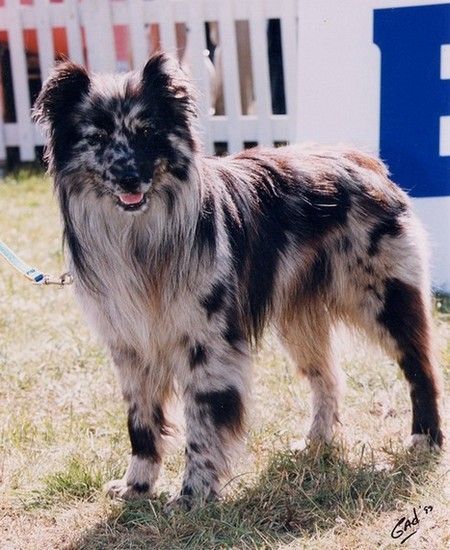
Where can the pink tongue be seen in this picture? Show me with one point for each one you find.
(131, 198)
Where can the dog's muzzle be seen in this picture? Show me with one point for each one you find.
(132, 193)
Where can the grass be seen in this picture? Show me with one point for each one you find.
(63, 435)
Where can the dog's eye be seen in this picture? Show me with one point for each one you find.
(145, 131)
(97, 138)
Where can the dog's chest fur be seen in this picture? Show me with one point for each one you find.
(142, 300)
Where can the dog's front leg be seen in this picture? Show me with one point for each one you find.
(215, 391)
(145, 427)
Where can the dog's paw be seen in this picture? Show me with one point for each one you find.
(120, 489)
(422, 442)
(182, 503)
(187, 501)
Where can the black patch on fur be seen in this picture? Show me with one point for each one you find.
(186, 491)
(170, 199)
(215, 299)
(141, 487)
(180, 168)
(262, 212)
(142, 440)
(237, 237)
(86, 274)
(254, 223)
(225, 407)
(140, 248)
(402, 305)
(206, 230)
(197, 356)
(160, 420)
(371, 288)
(233, 333)
(267, 245)
(194, 447)
(404, 317)
(389, 226)
(319, 275)
(344, 245)
(320, 210)
(101, 115)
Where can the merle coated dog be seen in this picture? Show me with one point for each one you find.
(182, 260)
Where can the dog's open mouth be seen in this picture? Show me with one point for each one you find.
(131, 201)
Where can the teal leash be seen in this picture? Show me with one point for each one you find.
(31, 273)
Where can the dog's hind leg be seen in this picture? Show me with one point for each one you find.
(146, 425)
(307, 337)
(215, 388)
(393, 306)
(402, 326)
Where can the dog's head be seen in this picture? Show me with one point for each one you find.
(118, 131)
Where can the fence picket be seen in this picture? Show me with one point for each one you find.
(167, 26)
(20, 80)
(138, 39)
(97, 22)
(228, 46)
(44, 37)
(260, 66)
(73, 31)
(195, 54)
(288, 21)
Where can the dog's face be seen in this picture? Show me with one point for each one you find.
(118, 131)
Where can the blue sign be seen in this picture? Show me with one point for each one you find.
(413, 96)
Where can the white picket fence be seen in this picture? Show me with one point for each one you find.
(97, 20)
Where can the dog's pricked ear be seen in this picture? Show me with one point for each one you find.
(64, 88)
(159, 69)
(164, 80)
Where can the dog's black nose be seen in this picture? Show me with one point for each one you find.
(130, 182)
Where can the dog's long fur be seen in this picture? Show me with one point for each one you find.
(179, 287)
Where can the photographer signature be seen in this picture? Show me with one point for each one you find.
(403, 527)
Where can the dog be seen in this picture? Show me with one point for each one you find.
(181, 261)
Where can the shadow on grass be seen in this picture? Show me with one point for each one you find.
(299, 494)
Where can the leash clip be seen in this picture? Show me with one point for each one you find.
(31, 273)
(64, 280)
